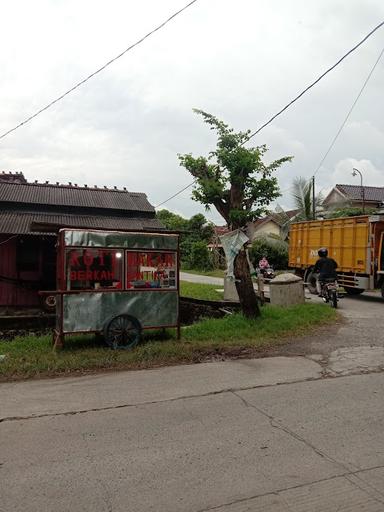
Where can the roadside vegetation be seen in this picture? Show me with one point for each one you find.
(201, 291)
(195, 234)
(229, 337)
(274, 248)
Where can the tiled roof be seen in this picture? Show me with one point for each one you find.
(62, 195)
(354, 192)
(12, 177)
(220, 230)
(13, 223)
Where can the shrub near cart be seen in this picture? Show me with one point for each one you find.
(116, 284)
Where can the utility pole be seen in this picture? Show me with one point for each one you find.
(313, 199)
(362, 190)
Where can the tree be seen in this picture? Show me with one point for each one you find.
(196, 230)
(172, 221)
(236, 181)
(303, 200)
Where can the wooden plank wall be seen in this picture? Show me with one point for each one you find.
(12, 294)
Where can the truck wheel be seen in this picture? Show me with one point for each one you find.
(353, 291)
(310, 280)
(122, 331)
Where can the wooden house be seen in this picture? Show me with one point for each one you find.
(32, 213)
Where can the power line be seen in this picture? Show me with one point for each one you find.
(177, 193)
(299, 96)
(349, 113)
(316, 81)
(98, 70)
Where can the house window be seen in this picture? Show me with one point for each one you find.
(28, 254)
(94, 269)
(151, 269)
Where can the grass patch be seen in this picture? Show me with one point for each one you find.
(211, 273)
(33, 356)
(201, 291)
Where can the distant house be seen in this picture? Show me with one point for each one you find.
(354, 196)
(32, 213)
(268, 225)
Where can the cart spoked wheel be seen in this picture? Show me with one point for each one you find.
(123, 331)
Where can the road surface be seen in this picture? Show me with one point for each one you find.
(301, 432)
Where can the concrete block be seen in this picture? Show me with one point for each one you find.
(286, 290)
(230, 292)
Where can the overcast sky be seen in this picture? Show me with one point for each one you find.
(240, 60)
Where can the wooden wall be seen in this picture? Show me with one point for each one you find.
(14, 294)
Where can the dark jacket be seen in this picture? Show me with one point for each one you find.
(326, 268)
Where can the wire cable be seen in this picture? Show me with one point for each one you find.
(8, 239)
(300, 95)
(349, 113)
(98, 70)
(316, 81)
(177, 193)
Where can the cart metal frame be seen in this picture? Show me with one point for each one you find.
(95, 270)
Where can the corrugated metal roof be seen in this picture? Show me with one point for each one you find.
(13, 223)
(61, 195)
(354, 192)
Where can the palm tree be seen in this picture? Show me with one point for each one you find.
(302, 197)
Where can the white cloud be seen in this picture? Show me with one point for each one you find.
(241, 61)
(372, 176)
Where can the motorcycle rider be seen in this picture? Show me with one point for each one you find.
(263, 263)
(326, 268)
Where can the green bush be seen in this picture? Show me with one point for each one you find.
(349, 211)
(199, 257)
(274, 249)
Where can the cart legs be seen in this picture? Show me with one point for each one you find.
(57, 340)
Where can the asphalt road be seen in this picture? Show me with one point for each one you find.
(300, 433)
(361, 326)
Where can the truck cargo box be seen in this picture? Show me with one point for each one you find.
(347, 240)
(356, 243)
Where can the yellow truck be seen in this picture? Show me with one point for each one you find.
(356, 243)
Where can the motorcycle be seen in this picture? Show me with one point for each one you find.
(267, 273)
(329, 292)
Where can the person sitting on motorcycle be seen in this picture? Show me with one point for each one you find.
(263, 263)
(326, 268)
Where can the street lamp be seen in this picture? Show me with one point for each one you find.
(354, 173)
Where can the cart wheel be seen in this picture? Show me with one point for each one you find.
(48, 302)
(123, 331)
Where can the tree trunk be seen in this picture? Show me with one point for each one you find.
(244, 286)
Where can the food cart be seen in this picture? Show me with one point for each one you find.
(116, 283)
